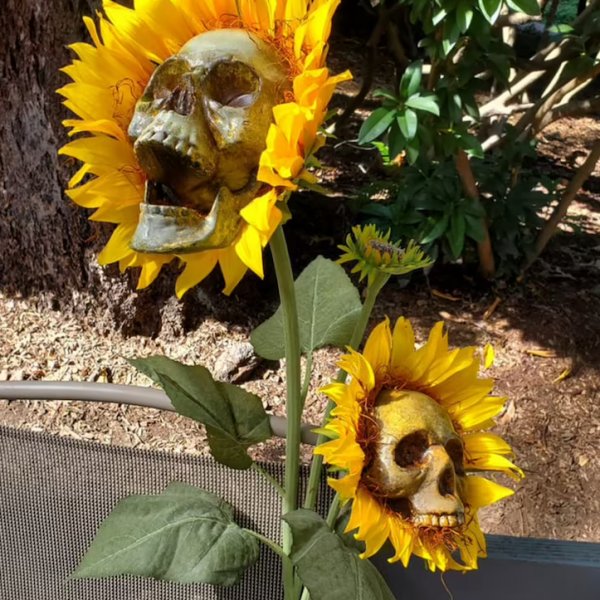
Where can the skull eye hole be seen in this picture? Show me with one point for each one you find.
(410, 449)
(455, 451)
(233, 83)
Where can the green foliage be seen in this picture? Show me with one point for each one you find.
(428, 204)
(330, 569)
(433, 116)
(234, 418)
(185, 535)
(403, 117)
(328, 307)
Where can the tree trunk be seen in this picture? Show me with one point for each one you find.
(42, 236)
(48, 248)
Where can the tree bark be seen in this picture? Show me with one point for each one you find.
(48, 248)
(42, 236)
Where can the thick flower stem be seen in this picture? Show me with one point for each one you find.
(285, 282)
(316, 468)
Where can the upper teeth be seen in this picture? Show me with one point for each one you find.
(431, 520)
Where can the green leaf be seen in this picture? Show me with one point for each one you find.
(464, 15)
(529, 7)
(490, 9)
(456, 233)
(426, 103)
(396, 140)
(385, 94)
(474, 228)
(408, 122)
(413, 150)
(234, 418)
(377, 123)
(184, 534)
(327, 567)
(470, 144)
(437, 230)
(411, 80)
(328, 307)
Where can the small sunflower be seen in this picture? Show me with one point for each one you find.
(373, 253)
(408, 431)
(110, 76)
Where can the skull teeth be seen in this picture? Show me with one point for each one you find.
(432, 520)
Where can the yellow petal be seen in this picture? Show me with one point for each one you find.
(403, 343)
(477, 416)
(355, 364)
(150, 270)
(479, 492)
(378, 347)
(489, 356)
(118, 245)
(233, 269)
(249, 250)
(197, 267)
(402, 539)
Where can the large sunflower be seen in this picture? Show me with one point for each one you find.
(110, 76)
(408, 433)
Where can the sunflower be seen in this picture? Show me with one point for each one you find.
(408, 434)
(374, 253)
(109, 77)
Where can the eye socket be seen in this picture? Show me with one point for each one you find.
(455, 451)
(410, 449)
(233, 83)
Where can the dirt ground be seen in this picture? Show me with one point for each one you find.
(545, 329)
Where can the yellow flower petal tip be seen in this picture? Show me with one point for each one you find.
(408, 434)
(489, 356)
(109, 76)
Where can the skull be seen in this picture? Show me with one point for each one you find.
(418, 457)
(199, 130)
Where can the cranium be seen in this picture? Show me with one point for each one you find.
(199, 130)
(418, 458)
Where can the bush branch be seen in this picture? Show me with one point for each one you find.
(484, 248)
(582, 173)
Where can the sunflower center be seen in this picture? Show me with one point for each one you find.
(414, 459)
(199, 130)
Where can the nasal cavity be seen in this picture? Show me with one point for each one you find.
(446, 482)
(182, 99)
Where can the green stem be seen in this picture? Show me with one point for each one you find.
(269, 543)
(316, 467)
(268, 477)
(306, 381)
(334, 511)
(285, 282)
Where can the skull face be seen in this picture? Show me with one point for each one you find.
(199, 130)
(418, 457)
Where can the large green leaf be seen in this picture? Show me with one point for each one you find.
(427, 103)
(234, 418)
(328, 307)
(411, 80)
(327, 567)
(184, 534)
(408, 123)
(376, 124)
